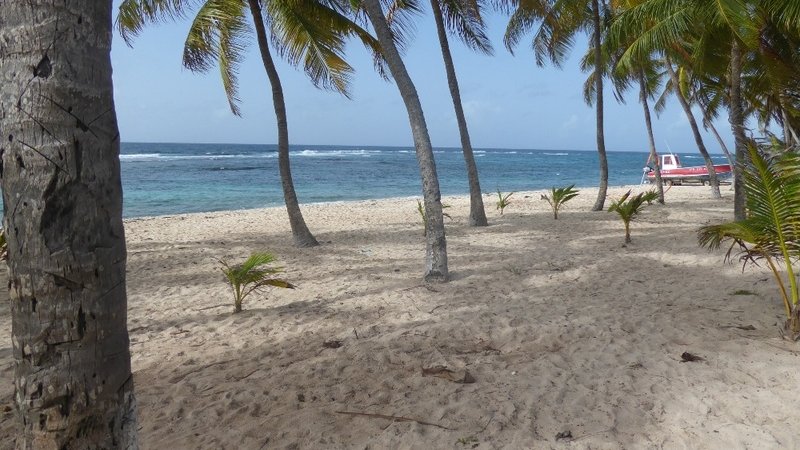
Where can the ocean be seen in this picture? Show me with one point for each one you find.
(164, 179)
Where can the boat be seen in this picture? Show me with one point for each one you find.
(673, 172)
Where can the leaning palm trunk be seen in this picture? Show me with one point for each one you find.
(436, 243)
(63, 197)
(477, 214)
(722, 145)
(652, 141)
(300, 232)
(736, 119)
(712, 174)
(598, 79)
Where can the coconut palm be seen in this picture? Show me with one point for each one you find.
(558, 23)
(739, 29)
(462, 17)
(311, 34)
(698, 138)
(66, 261)
(436, 242)
(771, 230)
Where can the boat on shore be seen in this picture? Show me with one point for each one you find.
(673, 172)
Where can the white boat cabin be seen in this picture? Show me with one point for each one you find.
(670, 162)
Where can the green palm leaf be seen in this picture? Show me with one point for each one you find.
(771, 230)
(250, 276)
(559, 196)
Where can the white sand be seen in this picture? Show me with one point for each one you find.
(562, 328)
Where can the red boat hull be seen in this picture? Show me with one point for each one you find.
(688, 173)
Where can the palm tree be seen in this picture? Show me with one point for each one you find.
(463, 18)
(738, 29)
(559, 21)
(698, 138)
(771, 230)
(645, 92)
(309, 33)
(66, 266)
(436, 243)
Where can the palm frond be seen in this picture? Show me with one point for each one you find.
(312, 35)
(463, 18)
(771, 229)
(251, 275)
(218, 36)
(134, 15)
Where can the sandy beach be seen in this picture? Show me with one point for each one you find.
(547, 328)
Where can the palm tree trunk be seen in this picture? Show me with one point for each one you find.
(63, 218)
(302, 236)
(649, 123)
(477, 214)
(436, 243)
(598, 79)
(710, 125)
(712, 174)
(736, 119)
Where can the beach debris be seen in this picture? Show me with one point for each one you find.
(566, 435)
(301, 397)
(332, 344)
(741, 327)
(471, 441)
(461, 376)
(688, 357)
(392, 418)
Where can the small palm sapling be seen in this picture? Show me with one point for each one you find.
(251, 276)
(628, 208)
(503, 201)
(559, 196)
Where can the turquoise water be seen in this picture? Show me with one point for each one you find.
(162, 179)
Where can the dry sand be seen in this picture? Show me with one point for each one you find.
(561, 327)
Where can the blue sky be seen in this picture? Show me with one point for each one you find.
(509, 101)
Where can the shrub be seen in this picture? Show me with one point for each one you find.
(251, 276)
(559, 196)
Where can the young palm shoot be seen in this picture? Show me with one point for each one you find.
(628, 208)
(421, 211)
(251, 276)
(503, 201)
(650, 196)
(559, 196)
(771, 230)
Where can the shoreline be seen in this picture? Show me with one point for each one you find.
(451, 197)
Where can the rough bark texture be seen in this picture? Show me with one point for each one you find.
(436, 243)
(63, 216)
(652, 141)
(477, 214)
(601, 141)
(712, 174)
(300, 232)
(736, 119)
